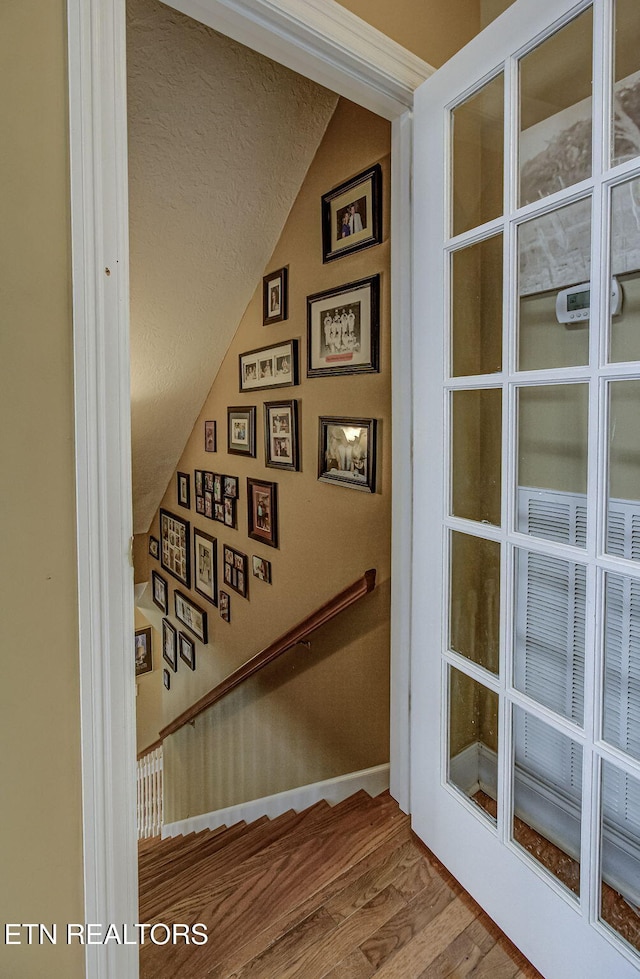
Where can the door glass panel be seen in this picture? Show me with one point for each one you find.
(473, 741)
(555, 111)
(626, 98)
(623, 514)
(478, 157)
(477, 308)
(550, 632)
(552, 462)
(622, 663)
(547, 797)
(624, 334)
(554, 259)
(477, 446)
(620, 853)
(475, 599)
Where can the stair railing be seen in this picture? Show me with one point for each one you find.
(149, 801)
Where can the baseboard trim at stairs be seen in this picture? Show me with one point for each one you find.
(333, 790)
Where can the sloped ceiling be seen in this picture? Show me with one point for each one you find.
(220, 140)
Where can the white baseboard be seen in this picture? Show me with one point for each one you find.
(333, 790)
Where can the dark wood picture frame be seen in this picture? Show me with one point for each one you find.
(143, 651)
(191, 615)
(210, 436)
(262, 511)
(183, 489)
(352, 215)
(170, 644)
(175, 546)
(281, 435)
(236, 570)
(241, 444)
(275, 366)
(275, 298)
(187, 649)
(205, 565)
(160, 591)
(225, 606)
(343, 329)
(154, 547)
(347, 460)
(261, 568)
(166, 679)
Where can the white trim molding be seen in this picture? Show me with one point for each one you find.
(323, 41)
(332, 790)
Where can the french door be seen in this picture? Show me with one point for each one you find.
(526, 576)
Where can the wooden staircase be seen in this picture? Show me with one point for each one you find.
(330, 893)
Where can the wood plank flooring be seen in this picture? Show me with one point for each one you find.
(333, 893)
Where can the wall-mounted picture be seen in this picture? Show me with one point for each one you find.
(352, 215)
(230, 486)
(261, 568)
(217, 487)
(274, 297)
(208, 505)
(218, 512)
(154, 547)
(269, 367)
(144, 663)
(160, 591)
(229, 508)
(191, 615)
(347, 452)
(208, 481)
(198, 482)
(174, 547)
(187, 649)
(225, 606)
(166, 679)
(170, 644)
(184, 490)
(241, 430)
(343, 329)
(200, 505)
(210, 436)
(205, 565)
(262, 506)
(282, 446)
(235, 570)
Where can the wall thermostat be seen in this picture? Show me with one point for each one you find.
(573, 305)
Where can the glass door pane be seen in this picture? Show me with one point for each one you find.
(478, 157)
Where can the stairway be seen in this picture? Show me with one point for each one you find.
(330, 893)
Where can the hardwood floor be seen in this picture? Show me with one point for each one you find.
(332, 893)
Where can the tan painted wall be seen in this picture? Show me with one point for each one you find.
(322, 713)
(39, 699)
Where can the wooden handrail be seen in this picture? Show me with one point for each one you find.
(150, 747)
(325, 613)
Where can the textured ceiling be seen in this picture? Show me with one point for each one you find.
(220, 140)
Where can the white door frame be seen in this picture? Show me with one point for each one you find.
(323, 41)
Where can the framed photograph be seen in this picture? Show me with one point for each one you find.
(269, 367)
(154, 547)
(347, 452)
(274, 297)
(144, 663)
(229, 507)
(187, 649)
(175, 555)
(210, 437)
(343, 329)
(160, 592)
(208, 481)
(191, 615)
(200, 505)
(262, 508)
(184, 490)
(166, 679)
(235, 570)
(231, 486)
(205, 565)
(218, 512)
(208, 505)
(241, 430)
(352, 215)
(217, 487)
(261, 568)
(198, 482)
(170, 644)
(281, 444)
(225, 606)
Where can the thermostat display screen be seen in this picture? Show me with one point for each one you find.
(578, 300)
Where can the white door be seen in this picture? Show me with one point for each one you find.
(526, 576)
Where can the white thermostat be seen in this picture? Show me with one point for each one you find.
(573, 305)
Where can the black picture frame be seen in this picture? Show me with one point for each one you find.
(241, 430)
(261, 568)
(166, 679)
(187, 649)
(170, 644)
(154, 547)
(236, 570)
(352, 215)
(344, 457)
(143, 651)
(175, 546)
(198, 482)
(183, 489)
(230, 512)
(191, 616)
(281, 435)
(275, 298)
(205, 565)
(230, 486)
(262, 511)
(210, 436)
(225, 606)
(275, 366)
(343, 329)
(160, 591)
